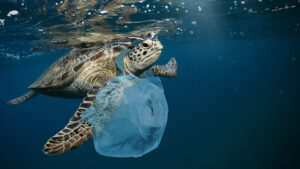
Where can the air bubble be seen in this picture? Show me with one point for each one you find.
(2, 22)
(199, 8)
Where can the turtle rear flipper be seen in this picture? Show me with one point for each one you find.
(27, 96)
(76, 132)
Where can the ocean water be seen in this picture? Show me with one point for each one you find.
(235, 103)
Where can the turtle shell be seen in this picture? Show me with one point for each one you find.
(63, 71)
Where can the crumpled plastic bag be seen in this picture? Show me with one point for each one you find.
(129, 116)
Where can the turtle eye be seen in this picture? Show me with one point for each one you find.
(145, 45)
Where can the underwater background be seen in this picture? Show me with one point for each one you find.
(235, 103)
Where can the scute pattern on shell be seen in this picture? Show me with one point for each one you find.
(63, 71)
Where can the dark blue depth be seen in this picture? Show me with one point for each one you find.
(235, 105)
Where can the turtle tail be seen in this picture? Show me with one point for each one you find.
(23, 98)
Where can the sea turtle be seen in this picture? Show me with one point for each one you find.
(82, 72)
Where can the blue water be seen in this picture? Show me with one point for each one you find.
(235, 103)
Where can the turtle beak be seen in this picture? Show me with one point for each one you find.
(151, 36)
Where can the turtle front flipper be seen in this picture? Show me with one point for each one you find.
(168, 70)
(76, 132)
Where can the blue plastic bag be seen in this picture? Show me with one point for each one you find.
(129, 116)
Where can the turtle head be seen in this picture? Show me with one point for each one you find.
(142, 56)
